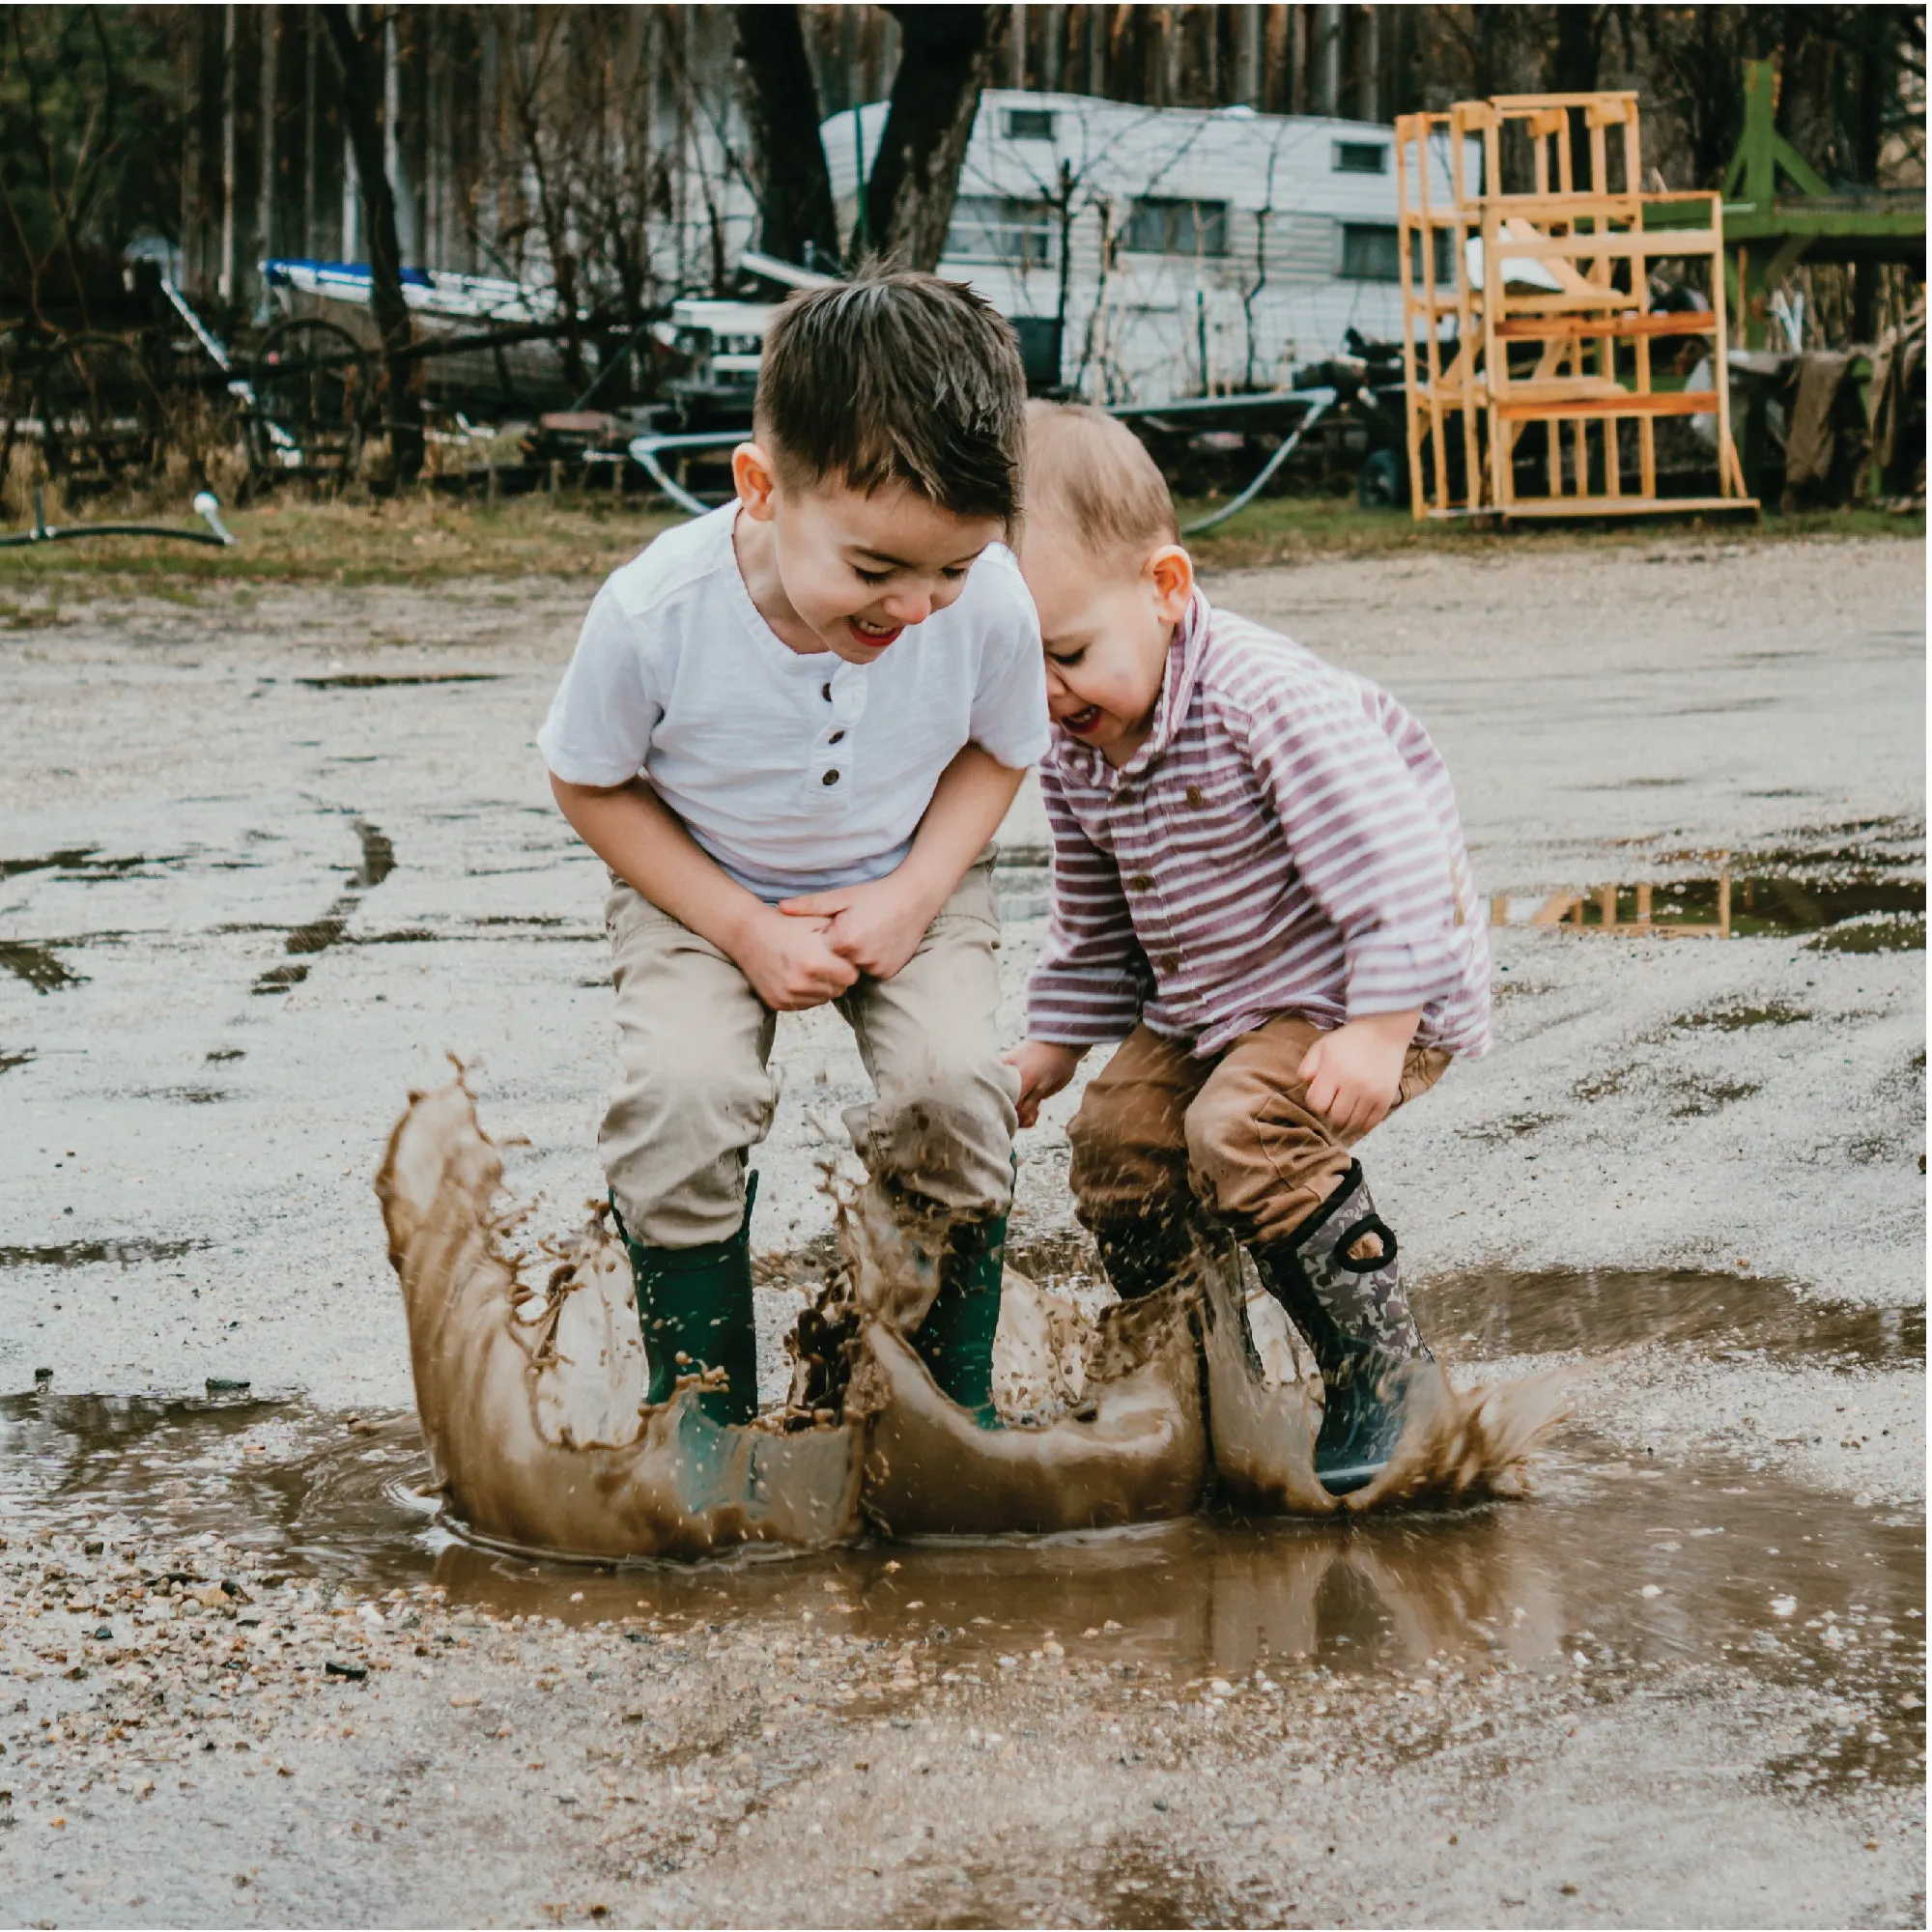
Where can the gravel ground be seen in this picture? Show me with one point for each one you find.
(276, 884)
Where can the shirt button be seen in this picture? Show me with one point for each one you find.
(1167, 966)
(834, 737)
(1140, 882)
(825, 692)
(1196, 797)
(830, 779)
(1124, 796)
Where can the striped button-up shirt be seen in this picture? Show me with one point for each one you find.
(1286, 842)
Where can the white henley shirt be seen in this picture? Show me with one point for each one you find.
(796, 773)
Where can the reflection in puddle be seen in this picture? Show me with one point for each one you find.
(1613, 1563)
(1562, 1311)
(1864, 912)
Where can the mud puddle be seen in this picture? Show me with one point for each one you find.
(1591, 1310)
(39, 965)
(83, 865)
(318, 935)
(1610, 1568)
(93, 1254)
(1867, 911)
(369, 680)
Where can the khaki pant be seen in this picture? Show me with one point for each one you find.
(1157, 1126)
(693, 1093)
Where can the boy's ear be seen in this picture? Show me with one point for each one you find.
(1170, 573)
(755, 479)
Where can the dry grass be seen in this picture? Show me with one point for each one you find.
(426, 540)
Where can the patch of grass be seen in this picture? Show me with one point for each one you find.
(421, 540)
(1283, 530)
(414, 540)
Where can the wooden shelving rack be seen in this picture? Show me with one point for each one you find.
(1550, 294)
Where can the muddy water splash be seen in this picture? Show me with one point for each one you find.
(1264, 1413)
(533, 1402)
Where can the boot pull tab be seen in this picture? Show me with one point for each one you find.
(1371, 1225)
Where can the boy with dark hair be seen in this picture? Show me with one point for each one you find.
(1259, 888)
(791, 728)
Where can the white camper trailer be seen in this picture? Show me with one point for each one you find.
(1166, 252)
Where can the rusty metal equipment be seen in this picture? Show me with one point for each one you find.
(1544, 402)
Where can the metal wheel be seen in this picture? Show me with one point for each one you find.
(313, 384)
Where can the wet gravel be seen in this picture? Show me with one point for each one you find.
(214, 986)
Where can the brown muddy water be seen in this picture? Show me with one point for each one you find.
(1611, 1566)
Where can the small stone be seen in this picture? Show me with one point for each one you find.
(1782, 1607)
(1650, 1590)
(354, 1672)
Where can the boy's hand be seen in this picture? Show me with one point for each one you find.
(876, 927)
(790, 964)
(1044, 1069)
(1355, 1073)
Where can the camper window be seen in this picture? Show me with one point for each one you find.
(1159, 226)
(1029, 124)
(998, 228)
(1360, 158)
(1370, 253)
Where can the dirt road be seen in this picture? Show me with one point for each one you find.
(267, 855)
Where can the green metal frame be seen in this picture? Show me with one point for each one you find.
(1768, 233)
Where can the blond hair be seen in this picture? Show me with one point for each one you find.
(1088, 477)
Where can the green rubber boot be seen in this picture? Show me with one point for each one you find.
(955, 1340)
(695, 1307)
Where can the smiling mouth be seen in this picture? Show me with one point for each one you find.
(1082, 722)
(872, 635)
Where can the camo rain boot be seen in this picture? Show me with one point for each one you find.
(695, 1307)
(955, 1340)
(1337, 1277)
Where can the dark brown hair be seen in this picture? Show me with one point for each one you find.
(1090, 478)
(897, 378)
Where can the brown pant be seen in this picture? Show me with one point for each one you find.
(694, 1092)
(1233, 1131)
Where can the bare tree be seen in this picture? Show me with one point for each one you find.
(946, 58)
(787, 159)
(358, 56)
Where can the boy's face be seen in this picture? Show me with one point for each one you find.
(859, 570)
(1106, 624)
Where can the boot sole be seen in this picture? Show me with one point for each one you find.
(1354, 1476)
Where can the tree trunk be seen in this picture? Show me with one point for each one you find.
(780, 104)
(360, 62)
(1573, 71)
(946, 57)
